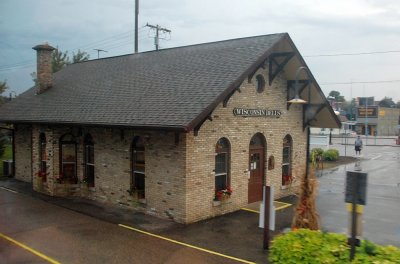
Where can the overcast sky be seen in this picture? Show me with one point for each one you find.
(316, 27)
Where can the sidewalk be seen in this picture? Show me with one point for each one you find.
(236, 234)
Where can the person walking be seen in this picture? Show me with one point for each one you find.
(358, 145)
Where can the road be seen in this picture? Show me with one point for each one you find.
(64, 236)
(381, 215)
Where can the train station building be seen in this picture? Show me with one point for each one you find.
(183, 133)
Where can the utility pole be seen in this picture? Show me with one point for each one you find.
(157, 28)
(136, 25)
(98, 52)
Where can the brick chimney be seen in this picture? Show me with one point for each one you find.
(44, 73)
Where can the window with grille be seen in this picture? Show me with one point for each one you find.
(42, 157)
(89, 160)
(68, 159)
(222, 163)
(287, 160)
(138, 167)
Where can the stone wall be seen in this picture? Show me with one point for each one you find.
(200, 183)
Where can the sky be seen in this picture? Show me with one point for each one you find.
(350, 46)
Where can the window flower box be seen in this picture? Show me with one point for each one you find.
(287, 179)
(223, 195)
(42, 175)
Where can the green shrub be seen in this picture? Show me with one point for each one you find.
(316, 155)
(306, 246)
(317, 151)
(331, 155)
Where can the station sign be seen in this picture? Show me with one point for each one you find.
(244, 112)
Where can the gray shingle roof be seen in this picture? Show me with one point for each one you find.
(167, 88)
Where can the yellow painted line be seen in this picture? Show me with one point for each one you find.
(250, 210)
(4, 188)
(282, 207)
(30, 249)
(186, 245)
(285, 205)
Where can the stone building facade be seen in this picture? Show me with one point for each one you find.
(182, 148)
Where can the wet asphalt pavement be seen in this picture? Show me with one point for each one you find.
(381, 217)
(80, 231)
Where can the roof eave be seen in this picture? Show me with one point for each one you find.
(210, 108)
(139, 127)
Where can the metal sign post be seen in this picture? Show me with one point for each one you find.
(356, 193)
(267, 214)
(267, 193)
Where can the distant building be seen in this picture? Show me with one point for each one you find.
(374, 120)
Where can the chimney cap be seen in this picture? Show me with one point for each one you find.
(44, 46)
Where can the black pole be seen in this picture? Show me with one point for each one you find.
(267, 201)
(307, 155)
(136, 25)
(353, 219)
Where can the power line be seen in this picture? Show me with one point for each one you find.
(109, 41)
(359, 82)
(353, 54)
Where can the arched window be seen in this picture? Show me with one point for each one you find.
(287, 160)
(68, 159)
(89, 160)
(222, 164)
(42, 156)
(260, 83)
(138, 167)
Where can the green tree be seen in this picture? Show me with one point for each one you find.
(3, 88)
(4, 140)
(350, 108)
(387, 102)
(59, 60)
(80, 56)
(339, 98)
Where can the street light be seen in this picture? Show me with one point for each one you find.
(297, 99)
(308, 220)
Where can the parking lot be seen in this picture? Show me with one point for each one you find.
(381, 217)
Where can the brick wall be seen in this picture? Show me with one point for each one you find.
(200, 183)
(180, 175)
(165, 167)
(23, 149)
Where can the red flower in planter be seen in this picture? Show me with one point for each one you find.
(223, 194)
(42, 174)
(287, 179)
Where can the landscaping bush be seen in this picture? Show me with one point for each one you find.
(316, 155)
(306, 246)
(317, 151)
(331, 155)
